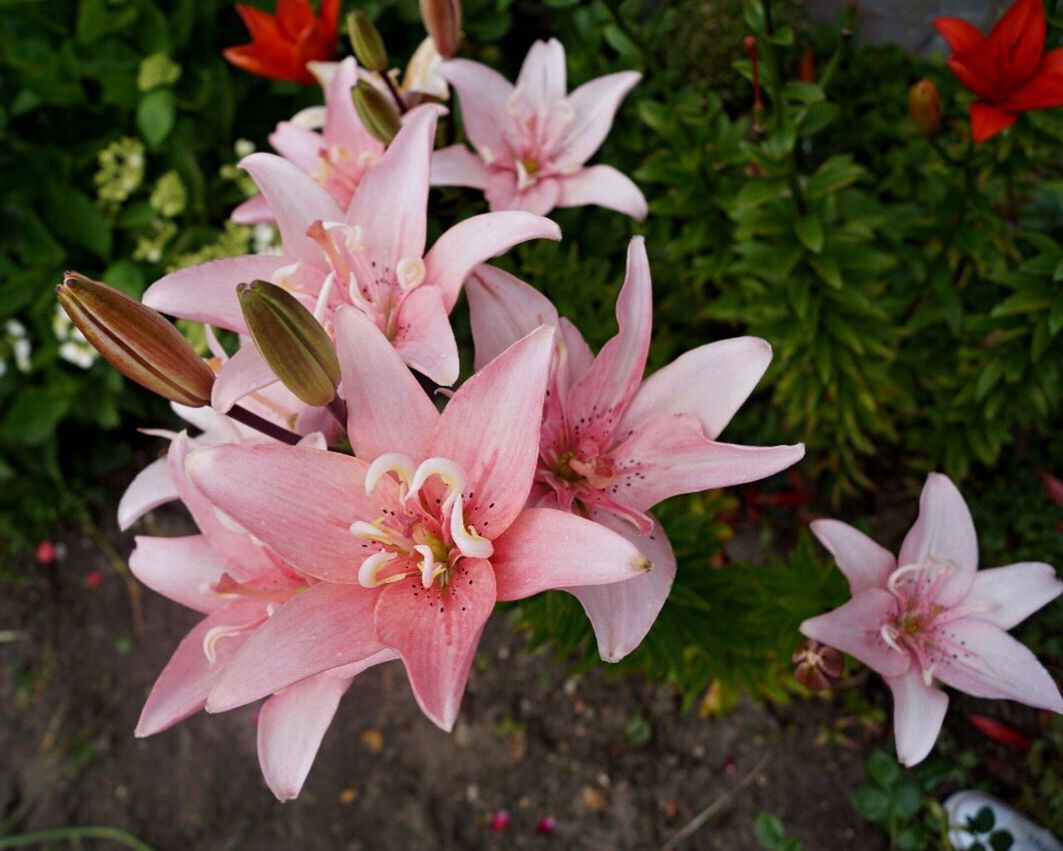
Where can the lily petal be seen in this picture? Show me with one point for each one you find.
(387, 411)
(854, 628)
(865, 563)
(502, 309)
(424, 338)
(1020, 36)
(918, 713)
(484, 95)
(243, 374)
(152, 487)
(943, 532)
(324, 627)
(1014, 592)
(255, 210)
(539, 198)
(436, 635)
(456, 165)
(472, 241)
(606, 187)
(710, 382)
(987, 121)
(181, 569)
(595, 104)
(297, 144)
(343, 128)
(959, 34)
(542, 79)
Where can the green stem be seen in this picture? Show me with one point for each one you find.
(399, 102)
(242, 415)
(74, 834)
(648, 59)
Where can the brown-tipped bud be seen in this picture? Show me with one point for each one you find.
(442, 20)
(366, 41)
(136, 340)
(924, 106)
(291, 341)
(378, 115)
(816, 665)
(806, 65)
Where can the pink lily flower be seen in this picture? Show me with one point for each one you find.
(227, 576)
(614, 445)
(930, 614)
(337, 158)
(414, 547)
(372, 257)
(533, 140)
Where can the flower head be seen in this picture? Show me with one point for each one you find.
(1008, 70)
(930, 615)
(533, 139)
(282, 43)
(613, 445)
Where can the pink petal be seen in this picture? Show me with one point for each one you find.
(182, 569)
(390, 204)
(502, 309)
(299, 502)
(243, 374)
(472, 241)
(424, 337)
(603, 186)
(990, 663)
(1013, 593)
(854, 628)
(182, 687)
(623, 612)
(484, 95)
(598, 400)
(436, 636)
(595, 105)
(539, 198)
(243, 558)
(943, 532)
(490, 428)
(291, 726)
(324, 627)
(255, 210)
(387, 411)
(711, 383)
(577, 357)
(671, 455)
(865, 563)
(918, 712)
(207, 292)
(297, 145)
(456, 165)
(542, 79)
(343, 129)
(297, 201)
(545, 548)
(152, 487)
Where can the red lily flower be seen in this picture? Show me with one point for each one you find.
(1008, 69)
(282, 43)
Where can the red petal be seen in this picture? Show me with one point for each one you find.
(987, 121)
(959, 34)
(976, 72)
(1000, 732)
(1044, 90)
(1053, 487)
(1020, 38)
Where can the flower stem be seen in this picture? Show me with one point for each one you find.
(399, 102)
(242, 415)
(338, 408)
(74, 834)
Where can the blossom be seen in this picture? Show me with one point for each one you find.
(337, 157)
(533, 140)
(930, 614)
(415, 538)
(282, 43)
(1008, 70)
(614, 445)
(373, 257)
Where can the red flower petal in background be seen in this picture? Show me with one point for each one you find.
(282, 43)
(1000, 732)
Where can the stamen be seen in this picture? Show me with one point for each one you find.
(887, 633)
(467, 541)
(894, 581)
(370, 531)
(371, 567)
(410, 272)
(451, 474)
(428, 564)
(216, 634)
(928, 675)
(389, 462)
(283, 276)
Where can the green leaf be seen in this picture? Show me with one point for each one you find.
(758, 191)
(827, 269)
(1055, 318)
(873, 804)
(32, 418)
(156, 113)
(1025, 301)
(97, 18)
(991, 373)
(809, 230)
(75, 219)
(982, 821)
(907, 800)
(803, 92)
(769, 830)
(883, 770)
(835, 174)
(1000, 840)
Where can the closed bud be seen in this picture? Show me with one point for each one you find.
(291, 341)
(376, 112)
(816, 665)
(136, 340)
(442, 20)
(924, 106)
(368, 45)
(806, 65)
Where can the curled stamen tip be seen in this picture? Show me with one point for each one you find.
(643, 564)
(887, 635)
(928, 675)
(389, 462)
(370, 568)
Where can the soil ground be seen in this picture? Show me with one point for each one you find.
(617, 764)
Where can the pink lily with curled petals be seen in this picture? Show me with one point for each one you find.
(337, 158)
(533, 140)
(227, 576)
(614, 445)
(372, 257)
(930, 614)
(415, 538)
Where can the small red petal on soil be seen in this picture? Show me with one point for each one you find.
(93, 578)
(730, 765)
(499, 821)
(45, 552)
(545, 826)
(1000, 732)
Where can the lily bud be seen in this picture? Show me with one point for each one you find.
(368, 45)
(816, 664)
(136, 340)
(442, 20)
(806, 66)
(291, 341)
(924, 106)
(377, 113)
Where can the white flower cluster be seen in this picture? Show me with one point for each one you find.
(17, 341)
(73, 347)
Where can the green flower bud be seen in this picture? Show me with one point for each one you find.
(291, 341)
(376, 112)
(136, 340)
(367, 43)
